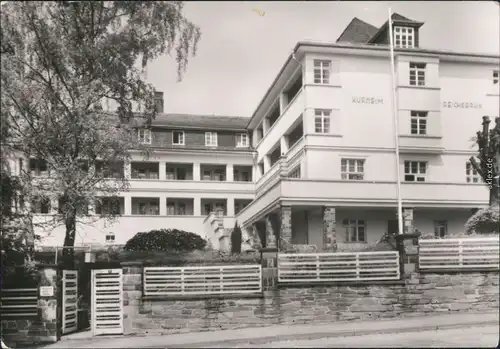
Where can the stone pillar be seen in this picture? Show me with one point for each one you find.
(265, 126)
(162, 201)
(408, 226)
(127, 169)
(197, 207)
(132, 294)
(127, 209)
(48, 310)
(285, 228)
(329, 229)
(196, 172)
(269, 262)
(256, 243)
(284, 144)
(283, 102)
(267, 163)
(270, 234)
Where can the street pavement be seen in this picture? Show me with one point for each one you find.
(394, 332)
(469, 337)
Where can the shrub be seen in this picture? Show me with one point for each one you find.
(236, 239)
(485, 221)
(166, 240)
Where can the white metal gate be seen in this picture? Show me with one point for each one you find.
(107, 301)
(69, 301)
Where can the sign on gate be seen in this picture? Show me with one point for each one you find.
(107, 302)
(69, 301)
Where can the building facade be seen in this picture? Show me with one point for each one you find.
(316, 162)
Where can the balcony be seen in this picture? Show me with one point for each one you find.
(380, 194)
(110, 206)
(213, 173)
(190, 185)
(218, 206)
(145, 170)
(285, 122)
(180, 207)
(146, 206)
(242, 173)
(179, 172)
(110, 170)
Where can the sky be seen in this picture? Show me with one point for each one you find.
(240, 52)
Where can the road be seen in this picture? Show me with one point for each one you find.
(469, 337)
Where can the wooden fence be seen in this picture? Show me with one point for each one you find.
(325, 267)
(458, 254)
(202, 280)
(19, 303)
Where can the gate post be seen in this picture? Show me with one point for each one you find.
(132, 294)
(48, 309)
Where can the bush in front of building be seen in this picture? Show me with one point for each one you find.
(165, 240)
(484, 221)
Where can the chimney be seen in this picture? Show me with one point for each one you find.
(159, 102)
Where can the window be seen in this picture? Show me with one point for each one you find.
(41, 205)
(440, 228)
(171, 209)
(352, 169)
(211, 174)
(147, 208)
(38, 168)
(242, 140)
(211, 139)
(110, 238)
(354, 230)
(219, 209)
(404, 37)
(471, 174)
(295, 173)
(418, 122)
(495, 77)
(417, 74)
(144, 136)
(208, 209)
(322, 121)
(322, 71)
(415, 171)
(177, 173)
(178, 138)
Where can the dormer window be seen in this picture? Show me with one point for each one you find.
(404, 37)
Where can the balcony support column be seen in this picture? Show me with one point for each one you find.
(285, 228)
(408, 224)
(329, 229)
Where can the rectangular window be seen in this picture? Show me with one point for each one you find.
(108, 206)
(144, 136)
(417, 74)
(110, 238)
(471, 174)
(322, 69)
(211, 139)
(415, 171)
(41, 205)
(354, 230)
(418, 122)
(295, 173)
(440, 228)
(242, 140)
(208, 209)
(404, 37)
(38, 168)
(495, 77)
(352, 169)
(171, 209)
(178, 138)
(322, 121)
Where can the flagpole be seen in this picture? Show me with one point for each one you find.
(396, 126)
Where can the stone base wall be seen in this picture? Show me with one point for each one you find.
(44, 327)
(418, 296)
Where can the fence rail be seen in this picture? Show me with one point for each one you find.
(203, 280)
(317, 267)
(19, 303)
(458, 254)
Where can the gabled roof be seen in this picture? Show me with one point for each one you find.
(357, 31)
(201, 121)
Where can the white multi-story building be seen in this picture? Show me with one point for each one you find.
(317, 158)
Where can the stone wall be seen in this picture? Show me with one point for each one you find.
(43, 328)
(417, 296)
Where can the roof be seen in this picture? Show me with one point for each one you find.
(202, 121)
(357, 31)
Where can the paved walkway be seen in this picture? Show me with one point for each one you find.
(226, 338)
